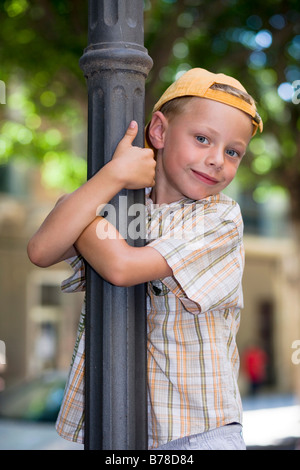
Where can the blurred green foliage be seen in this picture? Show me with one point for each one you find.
(44, 119)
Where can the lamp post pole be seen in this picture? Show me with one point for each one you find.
(115, 64)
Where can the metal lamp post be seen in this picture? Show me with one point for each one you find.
(115, 64)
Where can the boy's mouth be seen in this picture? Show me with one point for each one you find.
(205, 178)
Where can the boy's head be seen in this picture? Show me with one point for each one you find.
(200, 129)
(201, 83)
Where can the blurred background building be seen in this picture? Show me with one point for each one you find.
(38, 323)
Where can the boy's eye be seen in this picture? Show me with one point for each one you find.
(202, 139)
(232, 153)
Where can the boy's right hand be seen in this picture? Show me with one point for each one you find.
(135, 165)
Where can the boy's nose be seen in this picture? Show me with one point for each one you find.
(215, 158)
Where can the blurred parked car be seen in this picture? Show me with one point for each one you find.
(28, 413)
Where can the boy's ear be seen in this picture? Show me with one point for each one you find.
(157, 128)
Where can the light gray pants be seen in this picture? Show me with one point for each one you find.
(224, 438)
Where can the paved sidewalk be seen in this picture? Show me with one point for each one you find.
(271, 421)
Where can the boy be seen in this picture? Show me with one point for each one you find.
(199, 132)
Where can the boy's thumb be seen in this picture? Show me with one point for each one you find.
(131, 132)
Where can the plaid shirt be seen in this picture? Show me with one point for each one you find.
(193, 318)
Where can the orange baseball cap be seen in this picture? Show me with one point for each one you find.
(198, 82)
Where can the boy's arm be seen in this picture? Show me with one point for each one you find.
(130, 168)
(119, 263)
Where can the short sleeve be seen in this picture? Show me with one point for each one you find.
(207, 264)
(76, 282)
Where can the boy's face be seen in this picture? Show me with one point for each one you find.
(200, 150)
